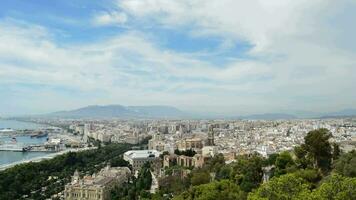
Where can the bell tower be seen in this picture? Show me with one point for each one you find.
(211, 135)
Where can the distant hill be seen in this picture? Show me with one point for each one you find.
(119, 111)
(269, 116)
(340, 114)
(161, 112)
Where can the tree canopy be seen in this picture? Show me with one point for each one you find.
(224, 189)
(318, 147)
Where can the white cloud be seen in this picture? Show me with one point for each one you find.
(259, 22)
(110, 18)
(292, 59)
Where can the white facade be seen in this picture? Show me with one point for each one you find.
(137, 158)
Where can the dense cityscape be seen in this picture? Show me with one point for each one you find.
(166, 149)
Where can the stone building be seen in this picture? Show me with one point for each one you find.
(96, 186)
(197, 161)
(190, 143)
(157, 143)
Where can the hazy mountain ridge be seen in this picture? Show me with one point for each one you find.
(340, 114)
(269, 116)
(119, 111)
(160, 111)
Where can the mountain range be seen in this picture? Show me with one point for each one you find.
(340, 114)
(164, 112)
(119, 111)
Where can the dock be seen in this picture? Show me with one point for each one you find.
(12, 147)
(29, 148)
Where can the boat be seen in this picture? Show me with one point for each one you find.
(6, 130)
(40, 135)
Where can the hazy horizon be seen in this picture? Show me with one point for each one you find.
(200, 56)
(208, 114)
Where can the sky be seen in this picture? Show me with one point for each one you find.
(231, 57)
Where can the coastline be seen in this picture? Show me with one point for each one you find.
(22, 131)
(41, 158)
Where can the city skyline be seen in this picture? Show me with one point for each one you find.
(214, 57)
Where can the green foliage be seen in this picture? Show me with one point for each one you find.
(188, 152)
(138, 188)
(302, 161)
(271, 160)
(144, 179)
(163, 154)
(346, 164)
(284, 187)
(224, 172)
(173, 185)
(284, 163)
(214, 164)
(200, 177)
(175, 168)
(31, 177)
(336, 187)
(336, 151)
(224, 189)
(319, 149)
(311, 176)
(247, 172)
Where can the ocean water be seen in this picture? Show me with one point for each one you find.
(7, 157)
(17, 125)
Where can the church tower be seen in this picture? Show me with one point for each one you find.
(75, 177)
(211, 136)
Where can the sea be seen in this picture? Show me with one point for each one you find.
(8, 157)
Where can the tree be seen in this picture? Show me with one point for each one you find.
(284, 161)
(215, 163)
(336, 151)
(188, 152)
(311, 176)
(163, 154)
(224, 189)
(247, 172)
(224, 172)
(319, 149)
(271, 159)
(346, 164)
(200, 177)
(336, 187)
(144, 179)
(29, 178)
(173, 184)
(284, 187)
(302, 160)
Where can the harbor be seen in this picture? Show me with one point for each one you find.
(49, 147)
(22, 142)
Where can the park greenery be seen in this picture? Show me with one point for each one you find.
(188, 152)
(42, 179)
(137, 188)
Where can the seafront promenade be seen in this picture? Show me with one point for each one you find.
(45, 157)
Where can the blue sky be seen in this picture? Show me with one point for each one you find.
(221, 56)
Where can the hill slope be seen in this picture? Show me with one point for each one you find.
(119, 111)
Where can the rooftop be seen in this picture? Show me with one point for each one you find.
(142, 153)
